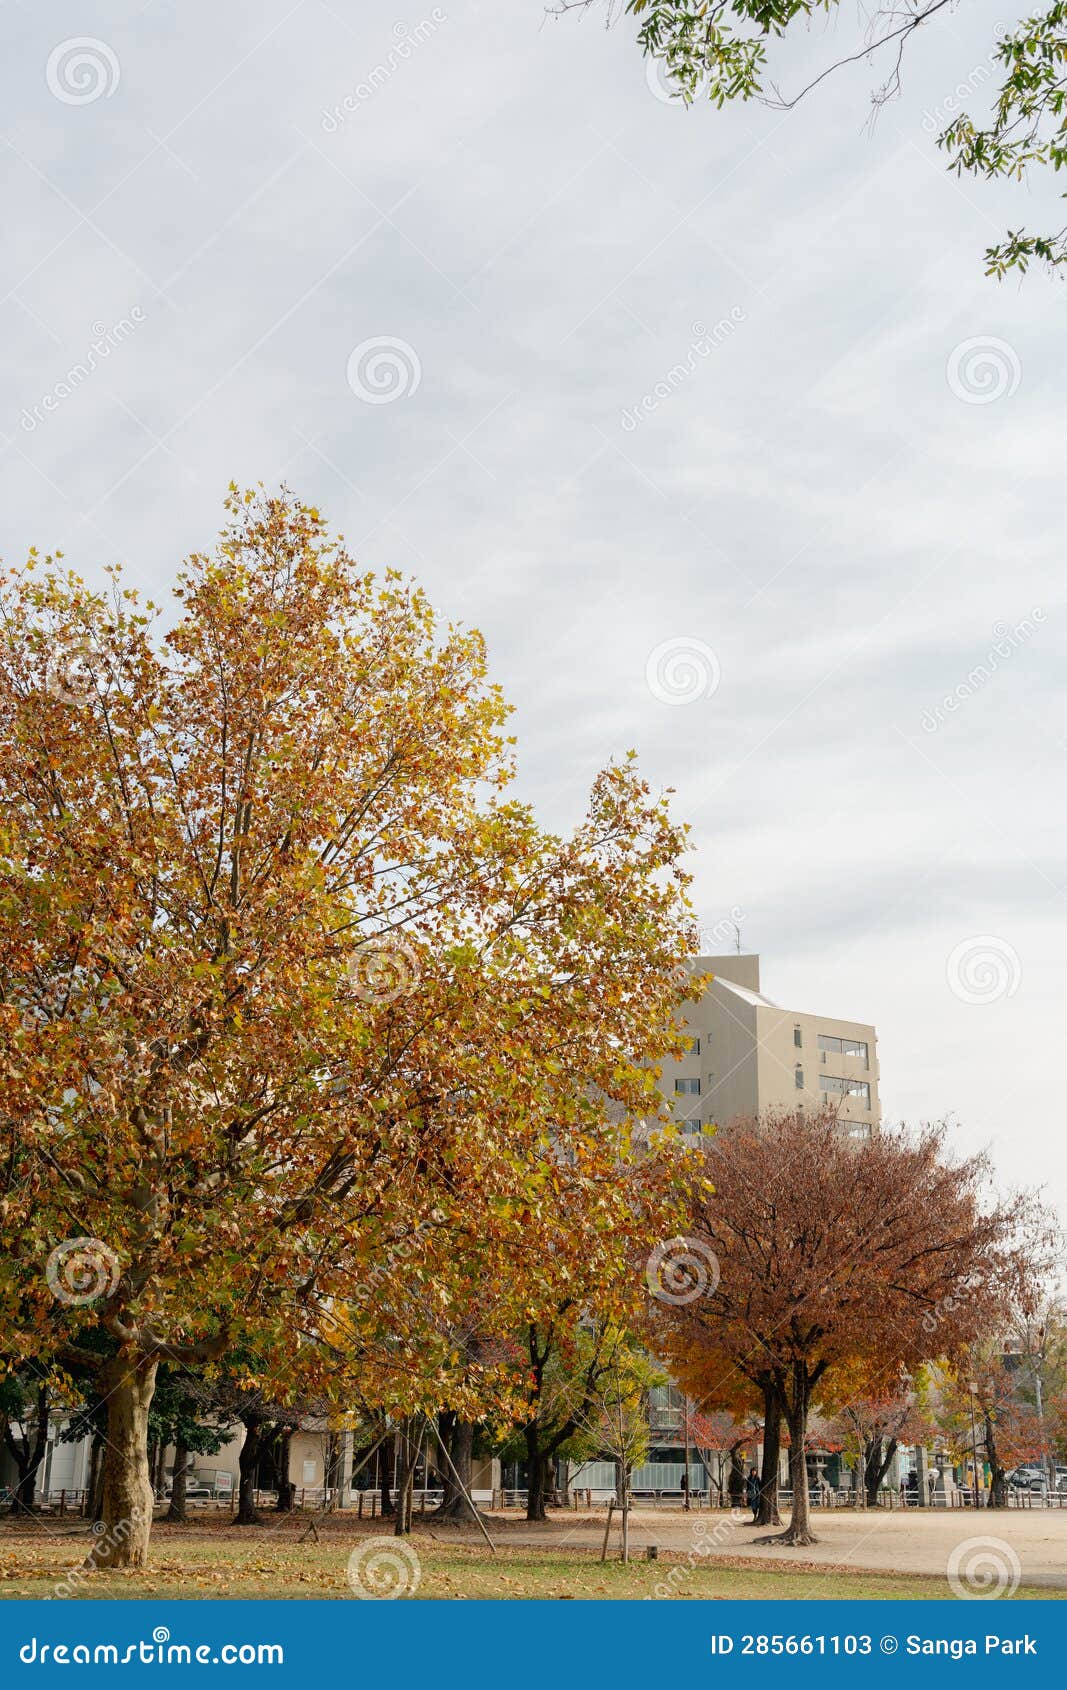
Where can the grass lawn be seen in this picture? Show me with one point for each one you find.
(235, 1562)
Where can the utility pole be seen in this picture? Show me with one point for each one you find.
(972, 1388)
(685, 1423)
(1036, 1358)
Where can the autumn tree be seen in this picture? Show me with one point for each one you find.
(613, 1418)
(740, 1405)
(828, 1251)
(983, 1411)
(873, 1428)
(25, 1405)
(730, 51)
(284, 969)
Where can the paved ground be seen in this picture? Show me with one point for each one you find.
(904, 1542)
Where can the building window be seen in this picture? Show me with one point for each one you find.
(846, 1088)
(829, 1042)
(798, 1077)
(798, 1038)
(691, 1045)
(687, 1088)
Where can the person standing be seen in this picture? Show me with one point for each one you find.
(752, 1493)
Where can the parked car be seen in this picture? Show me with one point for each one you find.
(1025, 1478)
(195, 1491)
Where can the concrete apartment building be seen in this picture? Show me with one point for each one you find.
(748, 1054)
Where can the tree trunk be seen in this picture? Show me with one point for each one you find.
(405, 1471)
(387, 1456)
(160, 1467)
(878, 1463)
(97, 1508)
(127, 1385)
(535, 1474)
(454, 1505)
(767, 1514)
(286, 1487)
(735, 1484)
(563, 1482)
(29, 1456)
(799, 1529)
(177, 1511)
(248, 1464)
(998, 1493)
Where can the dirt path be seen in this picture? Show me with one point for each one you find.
(919, 1542)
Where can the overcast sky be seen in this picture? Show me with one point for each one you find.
(671, 403)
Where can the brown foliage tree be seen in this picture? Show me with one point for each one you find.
(828, 1250)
